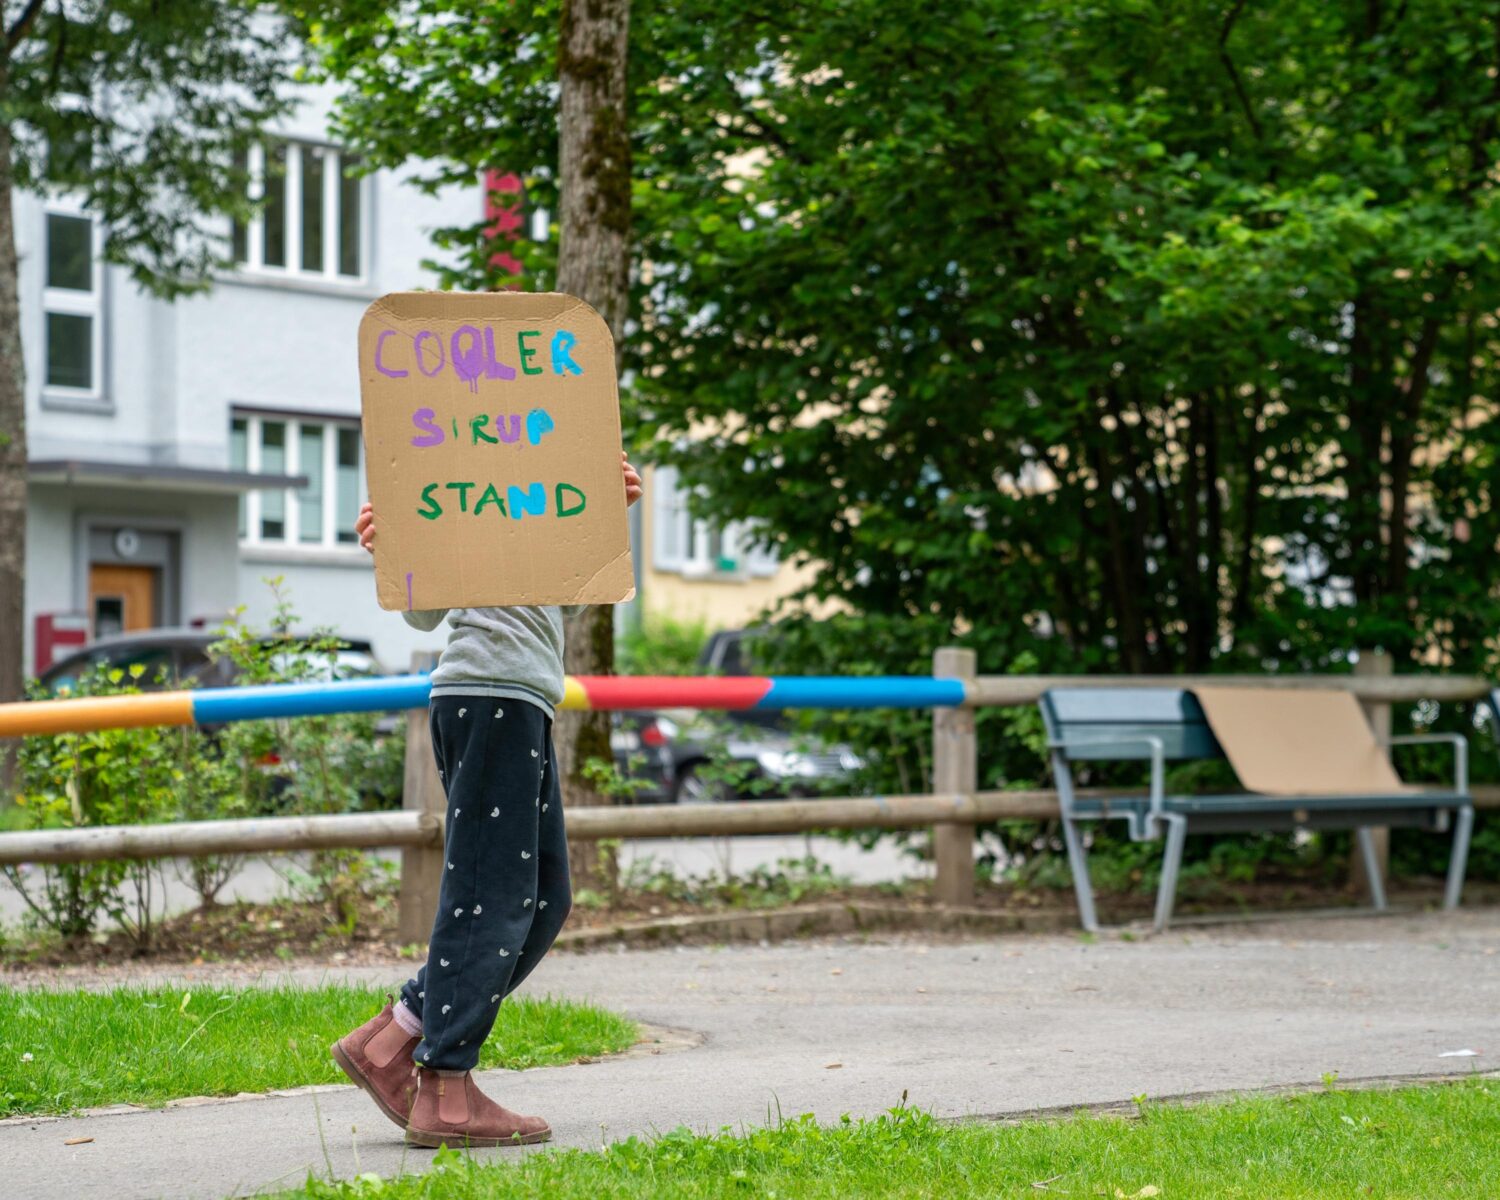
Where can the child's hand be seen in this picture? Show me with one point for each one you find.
(633, 489)
(364, 526)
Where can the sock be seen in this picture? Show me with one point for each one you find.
(408, 1020)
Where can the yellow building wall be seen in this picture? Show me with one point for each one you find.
(730, 602)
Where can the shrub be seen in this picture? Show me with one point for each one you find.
(331, 764)
(661, 645)
(104, 777)
(337, 763)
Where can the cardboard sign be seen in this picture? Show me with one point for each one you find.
(1291, 742)
(492, 447)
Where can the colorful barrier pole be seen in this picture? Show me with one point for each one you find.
(216, 706)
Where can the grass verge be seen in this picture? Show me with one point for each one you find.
(63, 1050)
(1415, 1142)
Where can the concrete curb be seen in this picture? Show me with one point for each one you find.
(1129, 1110)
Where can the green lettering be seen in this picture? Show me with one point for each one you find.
(562, 509)
(463, 494)
(429, 498)
(491, 496)
(477, 433)
(527, 352)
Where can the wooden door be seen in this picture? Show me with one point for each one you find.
(121, 599)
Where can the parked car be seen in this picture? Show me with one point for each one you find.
(174, 657)
(642, 746)
(672, 751)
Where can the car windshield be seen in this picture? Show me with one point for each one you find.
(346, 664)
(158, 669)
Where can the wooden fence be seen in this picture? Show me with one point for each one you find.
(953, 810)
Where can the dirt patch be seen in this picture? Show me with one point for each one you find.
(288, 933)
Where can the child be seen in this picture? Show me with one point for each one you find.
(505, 890)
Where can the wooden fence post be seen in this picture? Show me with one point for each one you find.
(421, 791)
(1378, 713)
(955, 768)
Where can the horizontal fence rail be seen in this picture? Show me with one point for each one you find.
(262, 835)
(217, 706)
(1001, 691)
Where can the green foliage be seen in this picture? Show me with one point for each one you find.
(144, 111)
(309, 765)
(789, 881)
(1117, 356)
(1126, 337)
(105, 777)
(661, 645)
(68, 1049)
(1406, 1143)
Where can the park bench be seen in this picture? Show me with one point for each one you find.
(1164, 725)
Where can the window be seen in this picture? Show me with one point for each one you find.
(71, 306)
(327, 453)
(310, 222)
(692, 546)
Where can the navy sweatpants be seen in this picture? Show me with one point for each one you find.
(505, 891)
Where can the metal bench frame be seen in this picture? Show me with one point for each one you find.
(1123, 720)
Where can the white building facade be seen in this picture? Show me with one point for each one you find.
(182, 452)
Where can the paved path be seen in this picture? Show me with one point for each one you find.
(983, 1027)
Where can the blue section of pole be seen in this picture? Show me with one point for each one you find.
(871, 691)
(214, 706)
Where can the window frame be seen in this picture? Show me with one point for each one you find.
(254, 266)
(291, 540)
(686, 549)
(73, 303)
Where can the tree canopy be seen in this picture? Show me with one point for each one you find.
(1125, 335)
(143, 111)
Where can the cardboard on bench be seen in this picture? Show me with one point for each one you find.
(522, 520)
(1291, 742)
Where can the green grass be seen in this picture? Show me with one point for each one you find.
(63, 1050)
(1417, 1142)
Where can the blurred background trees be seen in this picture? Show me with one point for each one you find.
(1098, 336)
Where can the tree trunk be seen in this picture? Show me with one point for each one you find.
(594, 265)
(12, 456)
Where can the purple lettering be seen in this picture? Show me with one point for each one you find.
(469, 363)
(494, 368)
(379, 365)
(515, 428)
(432, 434)
(427, 333)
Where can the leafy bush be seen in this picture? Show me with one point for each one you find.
(104, 777)
(314, 765)
(331, 764)
(661, 645)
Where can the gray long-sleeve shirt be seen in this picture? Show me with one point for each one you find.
(514, 652)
